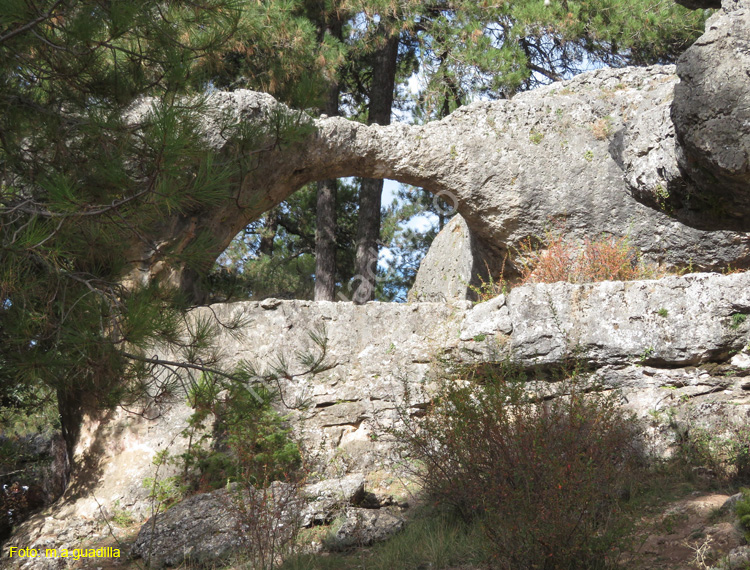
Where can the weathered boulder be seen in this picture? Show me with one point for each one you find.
(737, 559)
(453, 266)
(207, 528)
(202, 529)
(325, 499)
(711, 114)
(362, 527)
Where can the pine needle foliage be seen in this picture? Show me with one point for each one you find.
(495, 49)
(86, 176)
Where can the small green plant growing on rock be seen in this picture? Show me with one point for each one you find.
(647, 353)
(661, 195)
(490, 287)
(588, 155)
(121, 517)
(536, 137)
(737, 320)
(662, 312)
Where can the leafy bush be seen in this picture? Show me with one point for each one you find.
(545, 472)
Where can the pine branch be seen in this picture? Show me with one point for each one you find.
(31, 24)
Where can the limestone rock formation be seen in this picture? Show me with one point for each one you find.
(711, 113)
(453, 265)
(209, 527)
(325, 499)
(594, 154)
(663, 344)
(203, 529)
(675, 321)
(362, 527)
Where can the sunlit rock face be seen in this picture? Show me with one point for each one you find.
(596, 154)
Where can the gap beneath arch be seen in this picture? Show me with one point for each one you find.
(274, 256)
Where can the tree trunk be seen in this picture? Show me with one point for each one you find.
(71, 417)
(325, 241)
(368, 225)
(268, 233)
(325, 223)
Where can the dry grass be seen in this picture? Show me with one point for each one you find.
(602, 128)
(554, 258)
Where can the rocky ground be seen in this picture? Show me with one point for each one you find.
(680, 527)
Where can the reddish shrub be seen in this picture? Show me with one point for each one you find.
(607, 258)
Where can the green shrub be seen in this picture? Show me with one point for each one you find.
(737, 320)
(250, 440)
(742, 508)
(720, 450)
(544, 472)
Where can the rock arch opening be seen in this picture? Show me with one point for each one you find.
(275, 255)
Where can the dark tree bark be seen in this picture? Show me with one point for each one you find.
(368, 226)
(70, 408)
(268, 233)
(325, 223)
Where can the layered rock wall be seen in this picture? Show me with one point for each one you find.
(676, 343)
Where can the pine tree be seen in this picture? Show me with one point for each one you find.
(84, 181)
(495, 49)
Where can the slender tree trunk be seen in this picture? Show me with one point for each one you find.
(268, 235)
(325, 241)
(368, 225)
(71, 418)
(325, 222)
(325, 225)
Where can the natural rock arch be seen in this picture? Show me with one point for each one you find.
(595, 154)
